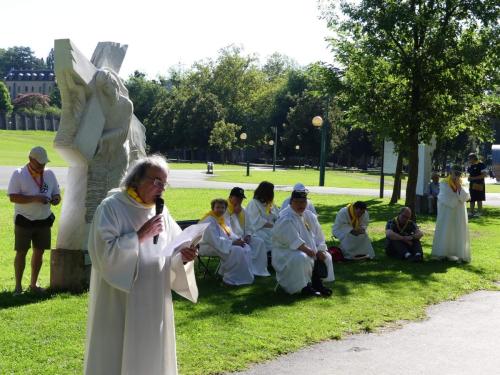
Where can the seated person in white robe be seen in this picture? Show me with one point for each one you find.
(300, 255)
(403, 236)
(130, 326)
(350, 228)
(237, 219)
(451, 237)
(218, 240)
(299, 187)
(262, 213)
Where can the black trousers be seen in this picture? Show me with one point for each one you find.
(398, 249)
(319, 272)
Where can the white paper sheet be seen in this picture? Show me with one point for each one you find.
(190, 236)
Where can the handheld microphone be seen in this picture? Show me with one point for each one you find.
(159, 209)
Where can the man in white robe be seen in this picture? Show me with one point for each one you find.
(219, 240)
(299, 253)
(130, 326)
(238, 220)
(299, 187)
(350, 228)
(451, 237)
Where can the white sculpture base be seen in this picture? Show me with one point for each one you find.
(69, 270)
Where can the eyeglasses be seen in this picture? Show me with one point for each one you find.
(157, 182)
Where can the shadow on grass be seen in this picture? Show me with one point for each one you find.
(8, 300)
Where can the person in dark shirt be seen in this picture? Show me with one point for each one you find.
(477, 172)
(403, 237)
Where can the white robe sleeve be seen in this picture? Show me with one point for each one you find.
(113, 254)
(319, 237)
(215, 237)
(464, 195)
(342, 226)
(257, 220)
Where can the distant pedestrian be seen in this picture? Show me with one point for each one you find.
(477, 172)
(433, 193)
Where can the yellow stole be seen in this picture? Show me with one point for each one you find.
(453, 185)
(220, 220)
(355, 221)
(401, 230)
(241, 215)
(269, 206)
(133, 194)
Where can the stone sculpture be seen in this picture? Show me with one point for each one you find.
(98, 135)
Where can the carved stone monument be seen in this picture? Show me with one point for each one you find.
(98, 136)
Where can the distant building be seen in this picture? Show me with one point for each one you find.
(30, 81)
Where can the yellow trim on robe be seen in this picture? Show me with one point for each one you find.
(220, 221)
(241, 215)
(133, 194)
(355, 221)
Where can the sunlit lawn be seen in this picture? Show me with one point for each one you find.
(232, 327)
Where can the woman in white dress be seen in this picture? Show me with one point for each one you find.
(451, 237)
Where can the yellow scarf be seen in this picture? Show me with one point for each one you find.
(355, 221)
(401, 230)
(269, 206)
(220, 220)
(453, 185)
(241, 215)
(133, 194)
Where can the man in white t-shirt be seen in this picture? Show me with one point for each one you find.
(32, 189)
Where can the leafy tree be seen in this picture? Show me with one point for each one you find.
(416, 69)
(50, 60)
(223, 136)
(5, 104)
(19, 58)
(143, 93)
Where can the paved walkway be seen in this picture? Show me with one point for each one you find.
(459, 337)
(196, 179)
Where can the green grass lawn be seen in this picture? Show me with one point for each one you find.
(230, 328)
(16, 145)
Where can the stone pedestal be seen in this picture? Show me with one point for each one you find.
(69, 270)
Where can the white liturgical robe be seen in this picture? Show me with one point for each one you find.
(258, 217)
(130, 327)
(259, 251)
(350, 244)
(451, 237)
(236, 261)
(294, 267)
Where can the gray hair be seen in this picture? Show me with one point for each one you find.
(137, 171)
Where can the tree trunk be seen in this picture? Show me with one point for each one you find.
(396, 190)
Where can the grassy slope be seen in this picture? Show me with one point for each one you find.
(232, 327)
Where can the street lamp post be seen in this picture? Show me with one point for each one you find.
(273, 145)
(317, 121)
(243, 137)
(297, 148)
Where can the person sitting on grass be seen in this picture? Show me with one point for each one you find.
(403, 237)
(219, 240)
(350, 227)
(299, 253)
(262, 213)
(237, 219)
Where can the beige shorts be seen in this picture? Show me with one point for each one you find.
(39, 235)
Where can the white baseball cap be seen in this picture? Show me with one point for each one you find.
(39, 154)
